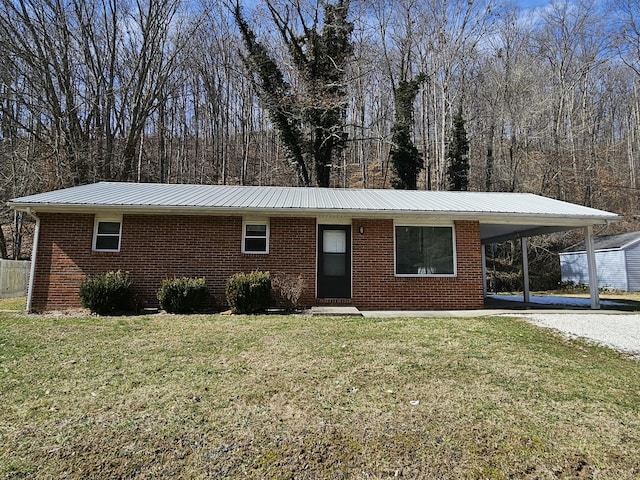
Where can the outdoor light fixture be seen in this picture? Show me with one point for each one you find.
(361, 230)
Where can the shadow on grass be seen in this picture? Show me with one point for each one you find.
(559, 302)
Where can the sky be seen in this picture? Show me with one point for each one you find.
(524, 4)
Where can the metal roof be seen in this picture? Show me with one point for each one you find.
(509, 213)
(608, 242)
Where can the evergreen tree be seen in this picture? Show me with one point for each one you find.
(406, 160)
(311, 118)
(458, 155)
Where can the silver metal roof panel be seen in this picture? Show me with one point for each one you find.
(270, 199)
(608, 242)
(502, 216)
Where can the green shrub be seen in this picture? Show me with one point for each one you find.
(182, 295)
(249, 292)
(571, 286)
(107, 293)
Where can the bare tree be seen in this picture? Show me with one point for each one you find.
(311, 116)
(573, 46)
(150, 53)
(44, 52)
(627, 41)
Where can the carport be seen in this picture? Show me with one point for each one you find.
(556, 220)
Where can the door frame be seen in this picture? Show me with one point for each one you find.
(321, 227)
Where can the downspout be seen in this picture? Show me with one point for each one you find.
(34, 254)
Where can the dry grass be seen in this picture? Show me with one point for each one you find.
(15, 304)
(307, 397)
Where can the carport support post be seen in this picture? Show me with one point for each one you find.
(526, 295)
(591, 264)
(483, 249)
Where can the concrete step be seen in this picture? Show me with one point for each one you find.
(335, 310)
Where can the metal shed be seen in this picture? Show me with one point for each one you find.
(617, 260)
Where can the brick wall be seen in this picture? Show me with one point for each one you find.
(155, 247)
(376, 287)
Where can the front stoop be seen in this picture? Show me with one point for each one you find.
(335, 310)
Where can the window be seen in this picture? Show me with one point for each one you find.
(334, 246)
(422, 251)
(106, 236)
(255, 237)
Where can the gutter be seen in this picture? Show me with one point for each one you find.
(507, 217)
(34, 254)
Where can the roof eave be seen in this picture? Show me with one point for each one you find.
(629, 244)
(484, 217)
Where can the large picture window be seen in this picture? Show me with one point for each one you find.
(424, 251)
(255, 237)
(106, 234)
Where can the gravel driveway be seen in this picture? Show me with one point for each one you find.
(620, 331)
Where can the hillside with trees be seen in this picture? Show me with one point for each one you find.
(302, 92)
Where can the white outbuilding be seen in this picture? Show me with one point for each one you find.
(617, 260)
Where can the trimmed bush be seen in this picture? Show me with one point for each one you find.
(249, 292)
(182, 295)
(107, 293)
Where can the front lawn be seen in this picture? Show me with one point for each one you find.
(16, 304)
(311, 397)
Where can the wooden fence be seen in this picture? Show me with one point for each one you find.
(14, 278)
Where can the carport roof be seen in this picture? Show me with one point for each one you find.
(501, 215)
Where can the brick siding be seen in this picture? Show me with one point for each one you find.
(375, 287)
(155, 247)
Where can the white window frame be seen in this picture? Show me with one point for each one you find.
(420, 275)
(106, 219)
(245, 223)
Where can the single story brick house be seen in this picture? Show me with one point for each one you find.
(374, 249)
